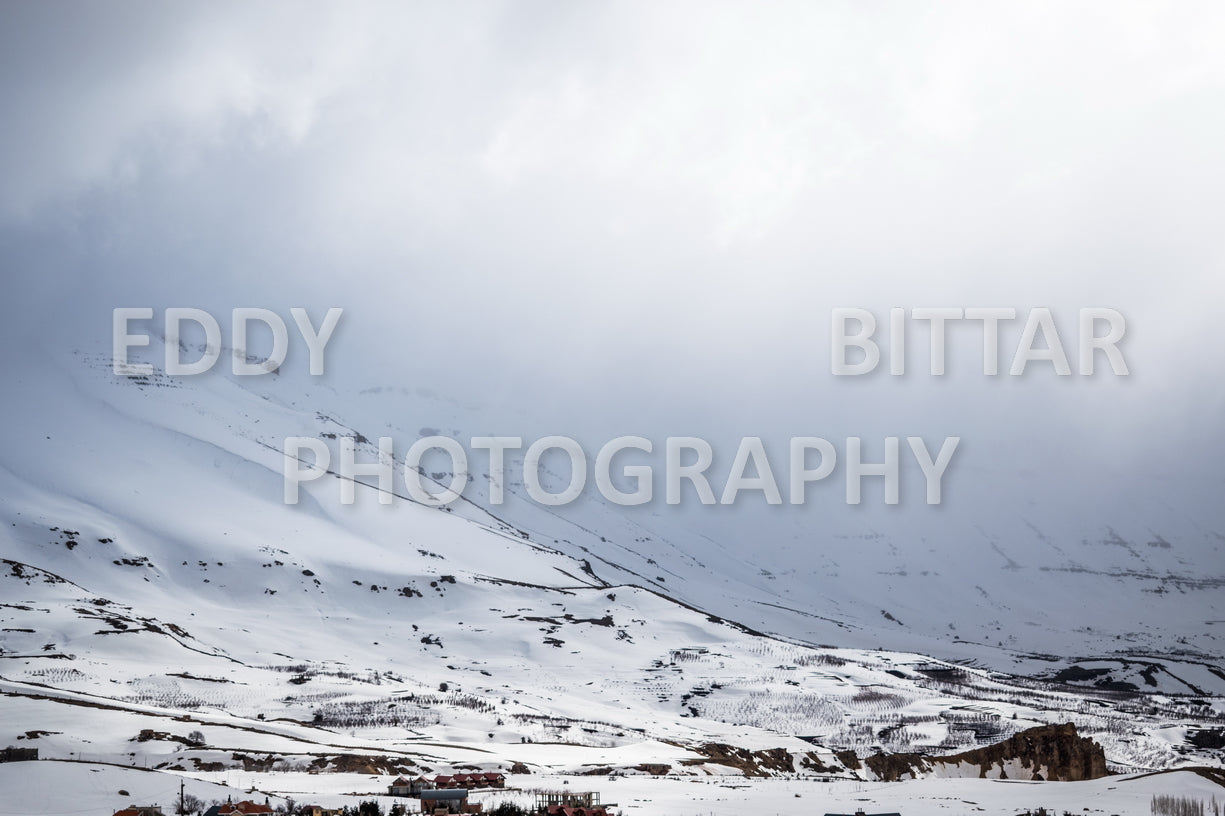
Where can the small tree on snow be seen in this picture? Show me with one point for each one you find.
(191, 804)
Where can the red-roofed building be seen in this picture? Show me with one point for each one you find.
(139, 810)
(492, 779)
(244, 808)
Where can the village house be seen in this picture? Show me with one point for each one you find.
(408, 787)
(318, 810)
(478, 781)
(140, 810)
(244, 808)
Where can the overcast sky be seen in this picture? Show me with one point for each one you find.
(636, 217)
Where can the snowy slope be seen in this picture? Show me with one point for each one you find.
(155, 585)
(1003, 581)
(69, 788)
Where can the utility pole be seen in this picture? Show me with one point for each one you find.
(182, 808)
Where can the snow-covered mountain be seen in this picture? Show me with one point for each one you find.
(1014, 576)
(164, 606)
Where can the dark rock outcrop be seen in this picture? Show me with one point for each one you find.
(750, 763)
(1056, 750)
(848, 759)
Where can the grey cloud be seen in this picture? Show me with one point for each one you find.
(630, 217)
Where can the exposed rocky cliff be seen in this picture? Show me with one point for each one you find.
(1049, 752)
